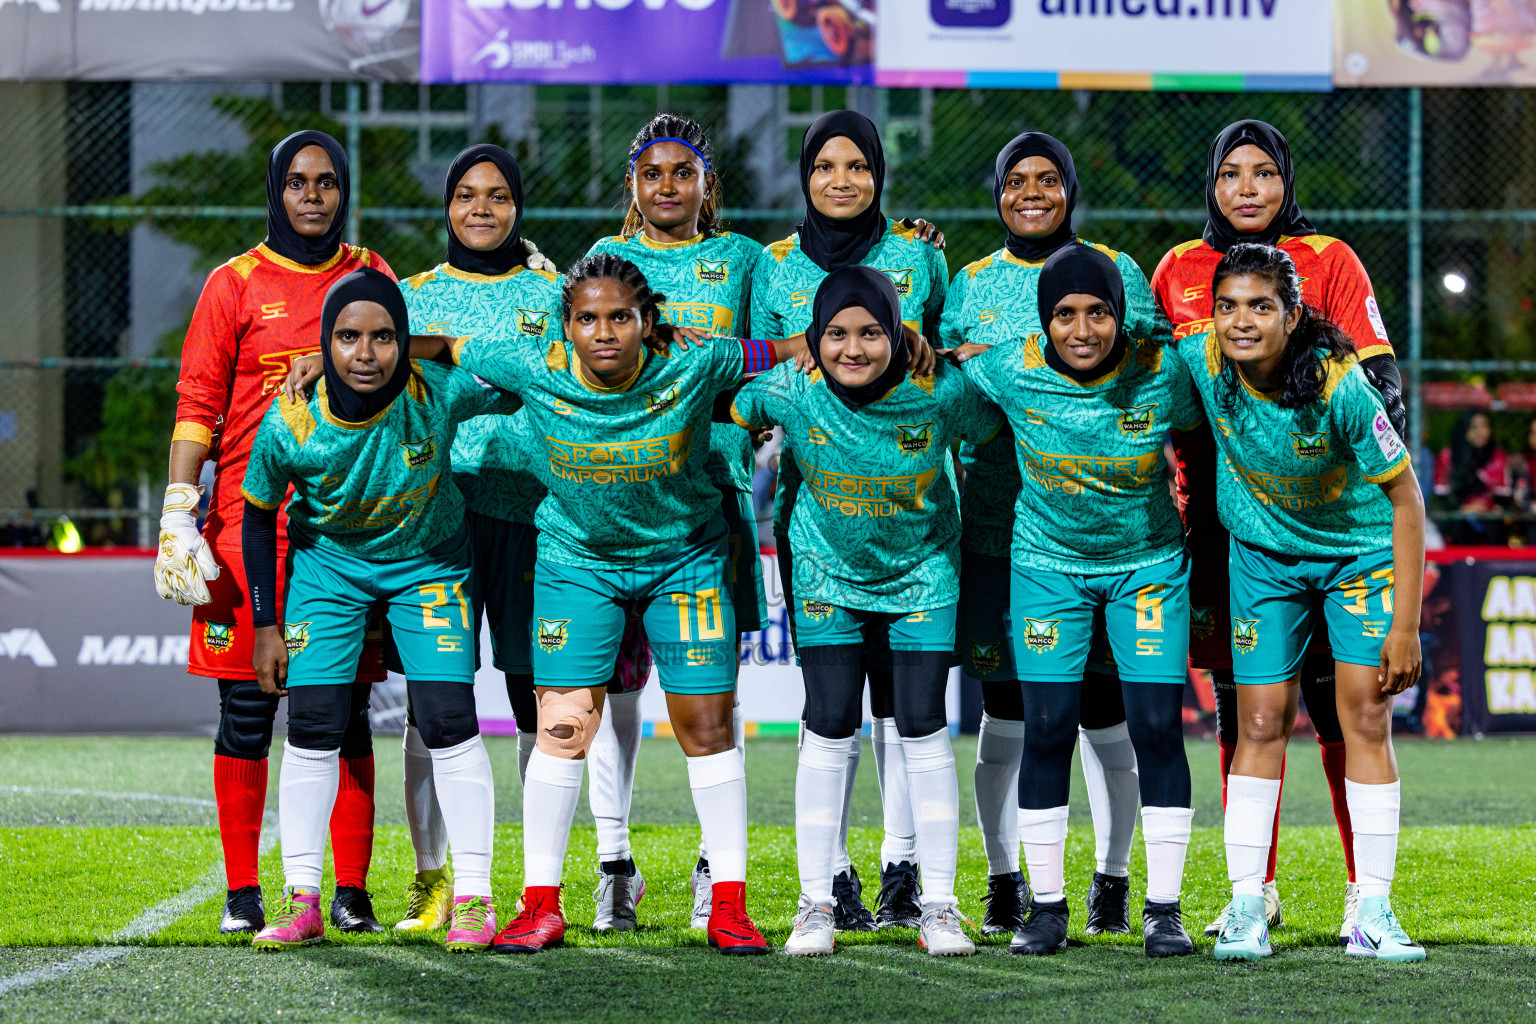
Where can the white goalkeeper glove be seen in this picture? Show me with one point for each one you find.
(185, 562)
(536, 259)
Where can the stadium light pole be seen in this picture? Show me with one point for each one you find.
(354, 157)
(1416, 265)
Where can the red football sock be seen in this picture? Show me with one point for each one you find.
(1274, 837)
(352, 822)
(1228, 752)
(240, 790)
(1333, 767)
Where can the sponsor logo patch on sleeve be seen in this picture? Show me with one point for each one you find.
(1386, 438)
(1373, 312)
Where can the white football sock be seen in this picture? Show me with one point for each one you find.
(1043, 834)
(719, 784)
(840, 860)
(1109, 769)
(525, 744)
(935, 806)
(739, 728)
(999, 752)
(306, 794)
(1374, 812)
(467, 794)
(428, 837)
(611, 773)
(550, 792)
(1166, 832)
(1250, 820)
(819, 794)
(900, 840)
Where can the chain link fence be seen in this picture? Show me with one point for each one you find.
(116, 199)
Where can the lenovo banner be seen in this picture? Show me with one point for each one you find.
(1107, 44)
(594, 42)
(223, 40)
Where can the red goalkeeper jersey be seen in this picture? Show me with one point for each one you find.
(256, 314)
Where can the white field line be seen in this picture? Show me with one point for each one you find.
(153, 919)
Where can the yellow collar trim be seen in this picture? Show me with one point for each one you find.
(325, 412)
(464, 275)
(651, 243)
(1215, 363)
(1009, 257)
(288, 264)
(581, 375)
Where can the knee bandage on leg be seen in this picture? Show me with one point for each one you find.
(567, 722)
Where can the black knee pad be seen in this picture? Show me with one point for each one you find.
(1225, 688)
(1003, 700)
(245, 720)
(1102, 702)
(318, 716)
(445, 712)
(525, 702)
(357, 740)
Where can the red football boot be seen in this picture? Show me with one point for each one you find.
(539, 925)
(731, 931)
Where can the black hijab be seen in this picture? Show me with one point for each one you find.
(1468, 460)
(510, 253)
(860, 286)
(1037, 144)
(281, 237)
(364, 284)
(834, 244)
(1081, 270)
(1219, 232)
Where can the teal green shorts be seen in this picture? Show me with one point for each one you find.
(505, 553)
(425, 598)
(983, 626)
(684, 602)
(1145, 618)
(818, 624)
(1273, 609)
(746, 564)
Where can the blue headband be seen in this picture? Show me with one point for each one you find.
(680, 142)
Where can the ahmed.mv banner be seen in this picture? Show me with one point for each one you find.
(1107, 44)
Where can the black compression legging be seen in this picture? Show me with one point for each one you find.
(834, 688)
(1102, 705)
(444, 712)
(1154, 713)
(246, 714)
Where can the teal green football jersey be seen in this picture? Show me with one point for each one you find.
(876, 526)
(382, 489)
(625, 466)
(784, 289)
(708, 283)
(449, 301)
(993, 302)
(1094, 496)
(1300, 481)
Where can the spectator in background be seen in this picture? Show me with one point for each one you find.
(1473, 474)
(1522, 475)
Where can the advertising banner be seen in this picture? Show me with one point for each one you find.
(1434, 42)
(214, 40)
(1495, 607)
(1106, 44)
(605, 42)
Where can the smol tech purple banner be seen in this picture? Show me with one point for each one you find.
(648, 41)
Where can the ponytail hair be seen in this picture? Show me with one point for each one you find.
(604, 266)
(1302, 372)
(690, 132)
